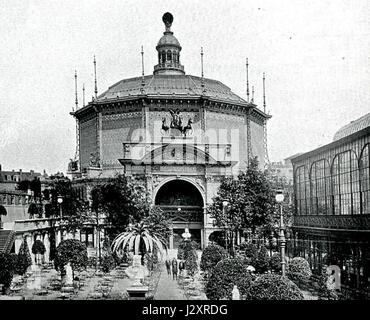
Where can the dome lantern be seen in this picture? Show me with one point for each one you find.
(168, 48)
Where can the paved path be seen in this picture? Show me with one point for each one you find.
(168, 289)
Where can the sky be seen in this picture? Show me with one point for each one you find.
(316, 55)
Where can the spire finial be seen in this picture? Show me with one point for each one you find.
(83, 94)
(76, 96)
(167, 20)
(96, 85)
(252, 100)
(142, 61)
(264, 93)
(201, 59)
(247, 81)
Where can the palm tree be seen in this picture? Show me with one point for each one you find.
(141, 238)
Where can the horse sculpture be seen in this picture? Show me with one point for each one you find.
(187, 127)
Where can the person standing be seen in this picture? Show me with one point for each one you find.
(181, 267)
(168, 267)
(174, 268)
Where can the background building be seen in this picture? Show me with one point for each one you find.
(180, 134)
(332, 195)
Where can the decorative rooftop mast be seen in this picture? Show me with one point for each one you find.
(266, 155)
(142, 70)
(96, 85)
(76, 96)
(247, 80)
(202, 72)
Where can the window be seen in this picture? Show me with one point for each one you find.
(345, 182)
(365, 179)
(320, 187)
(169, 56)
(301, 186)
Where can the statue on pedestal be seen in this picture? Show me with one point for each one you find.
(137, 272)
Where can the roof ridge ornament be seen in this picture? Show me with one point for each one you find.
(167, 19)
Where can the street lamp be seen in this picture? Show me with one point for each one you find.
(60, 201)
(224, 208)
(279, 199)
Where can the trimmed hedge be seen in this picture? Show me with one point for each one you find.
(38, 247)
(274, 287)
(24, 258)
(225, 275)
(299, 270)
(211, 255)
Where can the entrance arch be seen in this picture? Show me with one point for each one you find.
(183, 203)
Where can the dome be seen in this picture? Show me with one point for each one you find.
(168, 39)
(353, 127)
(171, 87)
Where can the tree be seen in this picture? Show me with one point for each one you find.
(121, 200)
(211, 255)
(273, 287)
(70, 251)
(250, 201)
(144, 236)
(38, 248)
(33, 185)
(73, 208)
(2, 213)
(225, 275)
(24, 258)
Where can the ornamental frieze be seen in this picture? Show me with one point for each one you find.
(119, 116)
(334, 222)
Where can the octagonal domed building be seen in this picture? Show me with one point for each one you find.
(179, 133)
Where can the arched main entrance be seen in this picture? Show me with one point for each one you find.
(183, 203)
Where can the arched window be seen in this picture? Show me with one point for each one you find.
(163, 56)
(320, 187)
(169, 56)
(175, 57)
(365, 179)
(301, 190)
(345, 183)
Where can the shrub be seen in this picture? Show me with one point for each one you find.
(7, 268)
(38, 247)
(225, 275)
(262, 261)
(274, 287)
(24, 258)
(71, 251)
(188, 244)
(211, 256)
(275, 262)
(189, 254)
(107, 262)
(251, 252)
(299, 270)
(324, 291)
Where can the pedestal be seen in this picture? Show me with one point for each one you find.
(137, 293)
